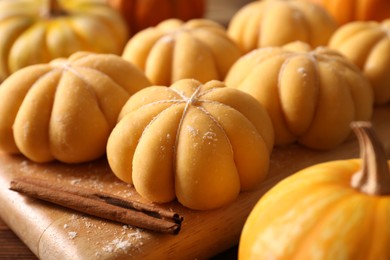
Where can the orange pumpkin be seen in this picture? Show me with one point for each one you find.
(333, 210)
(140, 14)
(345, 11)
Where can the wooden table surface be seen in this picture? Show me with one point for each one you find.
(11, 247)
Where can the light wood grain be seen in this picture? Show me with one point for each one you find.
(53, 232)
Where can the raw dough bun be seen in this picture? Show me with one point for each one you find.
(174, 50)
(199, 143)
(66, 109)
(312, 96)
(367, 44)
(278, 22)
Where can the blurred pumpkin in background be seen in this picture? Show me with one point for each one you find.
(37, 31)
(345, 11)
(140, 14)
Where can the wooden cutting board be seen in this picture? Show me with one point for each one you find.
(53, 232)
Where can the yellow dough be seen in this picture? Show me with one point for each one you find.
(367, 44)
(38, 31)
(174, 50)
(199, 143)
(66, 109)
(278, 22)
(312, 96)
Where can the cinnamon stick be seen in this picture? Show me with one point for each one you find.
(100, 204)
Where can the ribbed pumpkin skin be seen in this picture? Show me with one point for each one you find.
(174, 50)
(367, 44)
(66, 109)
(315, 214)
(307, 93)
(28, 37)
(141, 14)
(183, 142)
(345, 11)
(275, 23)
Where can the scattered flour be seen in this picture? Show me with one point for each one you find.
(210, 136)
(193, 131)
(302, 71)
(125, 242)
(72, 234)
(75, 181)
(117, 244)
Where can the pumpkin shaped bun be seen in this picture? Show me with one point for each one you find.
(37, 31)
(199, 143)
(367, 44)
(174, 50)
(312, 96)
(65, 109)
(278, 22)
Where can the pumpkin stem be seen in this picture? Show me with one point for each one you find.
(374, 176)
(52, 8)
